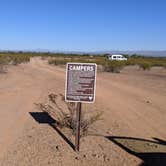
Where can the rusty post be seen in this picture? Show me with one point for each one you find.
(78, 120)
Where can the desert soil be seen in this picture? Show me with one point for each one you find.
(133, 123)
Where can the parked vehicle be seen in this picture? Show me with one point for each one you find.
(116, 57)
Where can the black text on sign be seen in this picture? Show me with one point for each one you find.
(80, 82)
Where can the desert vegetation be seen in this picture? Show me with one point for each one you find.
(13, 58)
(65, 116)
(144, 63)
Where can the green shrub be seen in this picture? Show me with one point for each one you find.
(3, 62)
(145, 66)
(61, 59)
(14, 58)
(114, 66)
(19, 59)
(57, 62)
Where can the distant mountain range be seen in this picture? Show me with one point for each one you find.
(138, 52)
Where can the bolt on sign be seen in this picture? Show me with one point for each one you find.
(80, 82)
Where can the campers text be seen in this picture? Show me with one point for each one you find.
(81, 68)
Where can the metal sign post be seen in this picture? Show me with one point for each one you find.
(78, 121)
(80, 88)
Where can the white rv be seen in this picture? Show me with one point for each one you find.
(117, 57)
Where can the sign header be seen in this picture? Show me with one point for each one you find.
(80, 82)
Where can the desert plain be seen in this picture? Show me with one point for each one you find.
(131, 132)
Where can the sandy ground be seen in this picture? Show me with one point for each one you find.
(132, 132)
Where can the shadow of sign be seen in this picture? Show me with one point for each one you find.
(153, 153)
(42, 117)
(45, 118)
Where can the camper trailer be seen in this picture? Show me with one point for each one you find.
(116, 57)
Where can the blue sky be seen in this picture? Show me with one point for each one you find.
(83, 25)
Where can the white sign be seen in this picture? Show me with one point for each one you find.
(80, 82)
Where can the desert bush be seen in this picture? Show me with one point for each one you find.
(146, 62)
(3, 63)
(17, 59)
(2, 69)
(109, 66)
(57, 62)
(14, 58)
(71, 59)
(61, 59)
(114, 66)
(164, 66)
(66, 118)
(145, 65)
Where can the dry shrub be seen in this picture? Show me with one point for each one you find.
(113, 66)
(65, 114)
(3, 63)
(145, 66)
(2, 69)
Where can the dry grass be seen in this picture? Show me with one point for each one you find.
(66, 115)
(144, 63)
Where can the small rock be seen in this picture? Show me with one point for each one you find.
(84, 156)
(57, 147)
(76, 158)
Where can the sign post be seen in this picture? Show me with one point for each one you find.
(80, 88)
(78, 120)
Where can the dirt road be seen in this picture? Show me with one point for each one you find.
(133, 105)
(20, 88)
